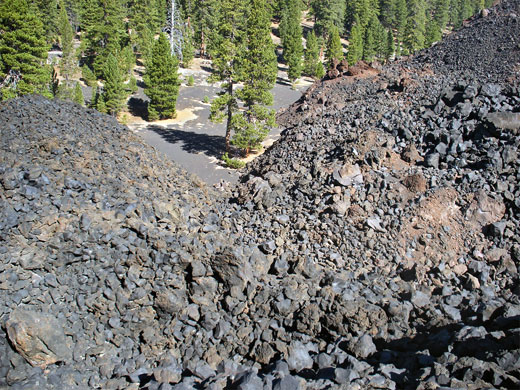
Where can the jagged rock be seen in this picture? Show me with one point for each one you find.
(348, 175)
(301, 259)
(38, 337)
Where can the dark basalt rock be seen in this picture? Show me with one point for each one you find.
(375, 245)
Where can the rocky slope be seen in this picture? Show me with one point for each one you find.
(376, 245)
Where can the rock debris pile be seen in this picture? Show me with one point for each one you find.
(376, 245)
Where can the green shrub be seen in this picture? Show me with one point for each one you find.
(233, 162)
(191, 81)
(88, 76)
(205, 100)
(131, 87)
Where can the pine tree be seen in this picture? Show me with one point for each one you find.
(145, 43)
(48, 12)
(390, 46)
(162, 81)
(88, 76)
(258, 74)
(126, 60)
(68, 59)
(415, 30)
(369, 43)
(355, 47)
(162, 12)
(328, 13)
(206, 16)
(334, 48)
(433, 33)
(114, 90)
(401, 16)
(73, 9)
(78, 95)
(312, 64)
(96, 97)
(380, 39)
(187, 48)
(467, 9)
(144, 14)
(291, 34)
(227, 48)
(143, 21)
(105, 31)
(91, 15)
(23, 49)
(442, 13)
(387, 12)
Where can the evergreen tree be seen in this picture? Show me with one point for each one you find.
(258, 73)
(68, 59)
(369, 46)
(95, 99)
(126, 60)
(291, 34)
(145, 43)
(187, 48)
(387, 12)
(162, 12)
(91, 15)
(73, 9)
(48, 12)
(88, 76)
(62, 90)
(144, 14)
(114, 89)
(328, 13)
(355, 47)
(366, 10)
(78, 95)
(401, 16)
(162, 81)
(390, 46)
(226, 50)
(415, 30)
(467, 8)
(433, 33)
(23, 50)
(442, 13)
(105, 31)
(312, 64)
(334, 47)
(206, 24)
(143, 21)
(380, 39)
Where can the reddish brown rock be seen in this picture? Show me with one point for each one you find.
(38, 337)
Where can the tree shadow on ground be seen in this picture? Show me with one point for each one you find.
(194, 143)
(283, 81)
(138, 107)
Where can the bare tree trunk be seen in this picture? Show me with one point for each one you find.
(202, 45)
(229, 117)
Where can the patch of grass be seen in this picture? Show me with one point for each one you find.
(233, 162)
(124, 118)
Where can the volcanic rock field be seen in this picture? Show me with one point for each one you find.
(376, 245)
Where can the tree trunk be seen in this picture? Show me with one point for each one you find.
(229, 117)
(202, 45)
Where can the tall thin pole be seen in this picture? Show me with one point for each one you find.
(175, 27)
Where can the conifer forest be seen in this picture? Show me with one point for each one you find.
(100, 42)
